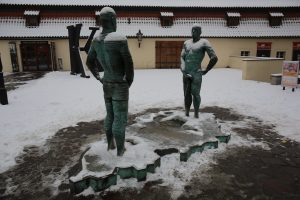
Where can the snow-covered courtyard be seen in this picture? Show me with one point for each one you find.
(38, 109)
(41, 107)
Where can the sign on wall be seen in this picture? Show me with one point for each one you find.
(290, 71)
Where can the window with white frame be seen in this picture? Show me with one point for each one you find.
(280, 54)
(245, 53)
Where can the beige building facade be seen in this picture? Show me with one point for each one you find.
(144, 57)
(34, 35)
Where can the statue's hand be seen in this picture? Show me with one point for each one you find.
(129, 82)
(188, 76)
(99, 78)
(204, 72)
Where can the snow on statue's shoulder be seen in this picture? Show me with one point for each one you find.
(115, 36)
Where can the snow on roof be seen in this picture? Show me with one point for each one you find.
(233, 14)
(159, 3)
(276, 14)
(151, 27)
(167, 14)
(31, 12)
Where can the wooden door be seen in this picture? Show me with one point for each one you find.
(168, 54)
(36, 56)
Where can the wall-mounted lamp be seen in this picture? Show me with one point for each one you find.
(139, 36)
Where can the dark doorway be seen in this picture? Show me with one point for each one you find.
(36, 56)
(296, 55)
(296, 51)
(168, 54)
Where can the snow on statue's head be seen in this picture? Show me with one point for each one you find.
(196, 26)
(196, 32)
(108, 18)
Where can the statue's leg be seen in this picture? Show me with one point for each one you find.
(187, 95)
(196, 87)
(120, 109)
(108, 122)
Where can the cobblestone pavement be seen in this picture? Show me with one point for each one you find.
(14, 80)
(238, 173)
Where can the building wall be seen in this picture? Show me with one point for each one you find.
(144, 57)
(63, 53)
(261, 70)
(4, 53)
(232, 47)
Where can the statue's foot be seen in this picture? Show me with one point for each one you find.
(121, 152)
(111, 145)
(187, 113)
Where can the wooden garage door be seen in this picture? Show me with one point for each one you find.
(36, 56)
(168, 54)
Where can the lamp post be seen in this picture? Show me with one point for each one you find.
(139, 36)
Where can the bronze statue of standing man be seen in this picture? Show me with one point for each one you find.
(110, 49)
(192, 55)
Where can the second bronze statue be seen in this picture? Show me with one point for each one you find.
(192, 55)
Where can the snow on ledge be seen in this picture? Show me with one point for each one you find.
(31, 12)
(276, 14)
(167, 14)
(233, 14)
(261, 58)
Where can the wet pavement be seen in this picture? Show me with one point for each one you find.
(240, 172)
(14, 80)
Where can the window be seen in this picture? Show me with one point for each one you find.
(32, 21)
(13, 56)
(263, 49)
(233, 19)
(166, 22)
(97, 18)
(32, 18)
(245, 53)
(275, 18)
(166, 18)
(280, 54)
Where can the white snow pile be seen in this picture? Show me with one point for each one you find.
(140, 150)
(104, 162)
(173, 173)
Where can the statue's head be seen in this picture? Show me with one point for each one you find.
(196, 32)
(108, 19)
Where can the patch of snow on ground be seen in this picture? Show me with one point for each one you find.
(86, 192)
